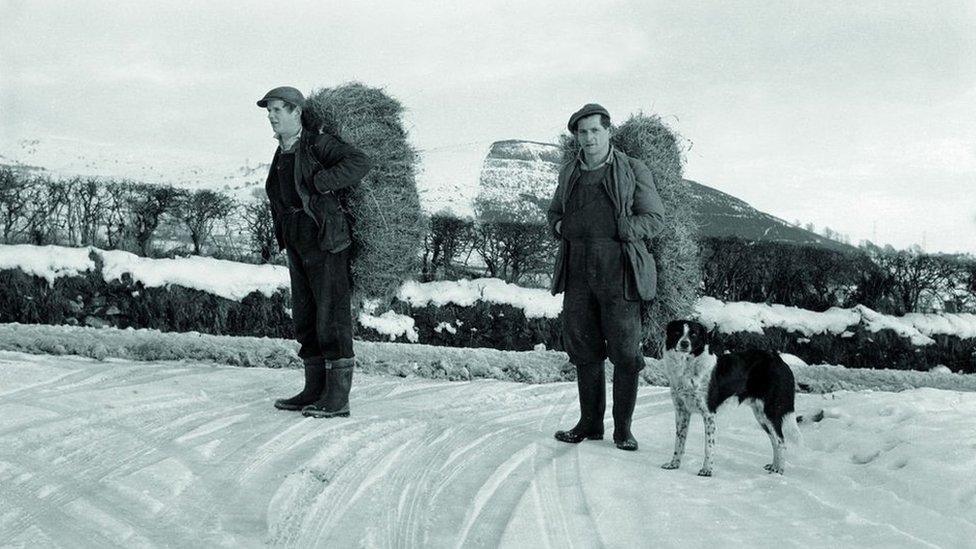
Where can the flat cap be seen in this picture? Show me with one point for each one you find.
(287, 94)
(588, 109)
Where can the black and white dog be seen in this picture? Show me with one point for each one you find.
(701, 381)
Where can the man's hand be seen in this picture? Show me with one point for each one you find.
(559, 224)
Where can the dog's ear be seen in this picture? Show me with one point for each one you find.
(716, 343)
(706, 334)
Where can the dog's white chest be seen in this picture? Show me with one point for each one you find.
(689, 377)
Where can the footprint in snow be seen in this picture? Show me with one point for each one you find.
(863, 457)
(899, 463)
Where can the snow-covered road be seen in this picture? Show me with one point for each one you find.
(177, 454)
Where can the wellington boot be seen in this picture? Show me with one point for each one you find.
(314, 387)
(591, 384)
(334, 402)
(624, 399)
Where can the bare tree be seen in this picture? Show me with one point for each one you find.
(118, 221)
(960, 293)
(260, 229)
(915, 275)
(512, 250)
(14, 198)
(447, 239)
(968, 279)
(48, 201)
(199, 211)
(147, 204)
(489, 248)
(88, 205)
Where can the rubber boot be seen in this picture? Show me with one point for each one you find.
(314, 387)
(335, 399)
(624, 398)
(591, 384)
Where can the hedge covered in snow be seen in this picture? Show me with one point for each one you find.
(87, 286)
(52, 285)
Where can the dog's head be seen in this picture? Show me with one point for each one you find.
(686, 336)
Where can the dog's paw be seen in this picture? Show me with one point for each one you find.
(671, 465)
(771, 468)
(705, 472)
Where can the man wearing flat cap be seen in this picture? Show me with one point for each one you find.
(309, 176)
(605, 209)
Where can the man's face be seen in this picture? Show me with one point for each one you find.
(282, 121)
(593, 137)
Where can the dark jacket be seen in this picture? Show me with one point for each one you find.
(640, 217)
(325, 168)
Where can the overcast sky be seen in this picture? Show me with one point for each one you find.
(860, 116)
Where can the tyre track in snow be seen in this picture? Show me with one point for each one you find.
(116, 451)
(560, 507)
(500, 486)
(122, 448)
(440, 469)
(186, 454)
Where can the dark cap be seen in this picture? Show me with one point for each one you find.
(287, 94)
(588, 109)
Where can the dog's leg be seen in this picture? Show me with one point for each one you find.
(709, 419)
(779, 446)
(774, 440)
(681, 419)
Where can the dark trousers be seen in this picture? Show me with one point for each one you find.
(597, 321)
(320, 292)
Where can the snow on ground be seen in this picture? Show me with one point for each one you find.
(121, 453)
(416, 360)
(239, 279)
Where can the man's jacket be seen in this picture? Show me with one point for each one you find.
(325, 167)
(640, 217)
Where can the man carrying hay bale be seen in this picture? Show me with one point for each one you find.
(605, 208)
(308, 173)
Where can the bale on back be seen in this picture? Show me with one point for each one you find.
(675, 249)
(388, 224)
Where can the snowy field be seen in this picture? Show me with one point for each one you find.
(189, 454)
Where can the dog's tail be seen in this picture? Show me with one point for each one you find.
(815, 417)
(792, 422)
(791, 431)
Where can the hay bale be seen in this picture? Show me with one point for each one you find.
(388, 224)
(675, 249)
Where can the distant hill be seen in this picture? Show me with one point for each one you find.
(722, 214)
(64, 157)
(518, 178)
